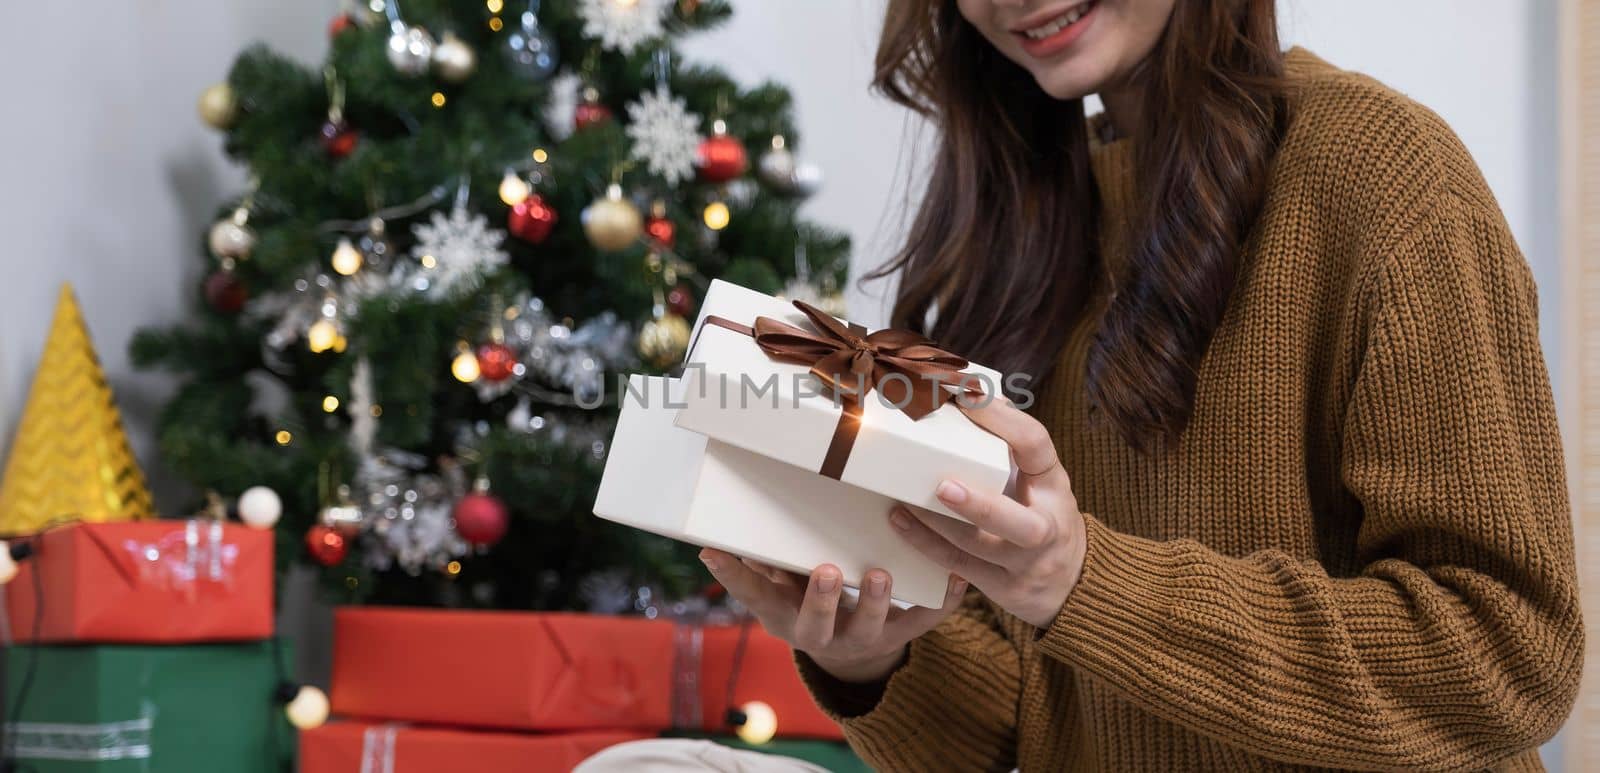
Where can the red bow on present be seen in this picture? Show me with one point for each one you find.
(910, 371)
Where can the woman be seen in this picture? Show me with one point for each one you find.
(1291, 493)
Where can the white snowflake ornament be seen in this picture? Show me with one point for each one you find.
(455, 251)
(622, 25)
(664, 134)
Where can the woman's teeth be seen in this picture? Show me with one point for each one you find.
(1061, 22)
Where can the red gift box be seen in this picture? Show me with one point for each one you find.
(350, 747)
(515, 670)
(557, 671)
(162, 581)
(767, 674)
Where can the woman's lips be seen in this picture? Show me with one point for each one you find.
(1056, 35)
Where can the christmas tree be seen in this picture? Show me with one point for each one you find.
(458, 233)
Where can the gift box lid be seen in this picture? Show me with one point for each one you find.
(738, 394)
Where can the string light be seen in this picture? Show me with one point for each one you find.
(346, 258)
(716, 216)
(495, 24)
(437, 99)
(322, 336)
(428, 261)
(330, 404)
(465, 366)
(307, 707)
(513, 189)
(760, 723)
(283, 437)
(540, 156)
(453, 568)
(495, 6)
(11, 553)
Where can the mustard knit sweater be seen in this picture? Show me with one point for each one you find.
(1359, 556)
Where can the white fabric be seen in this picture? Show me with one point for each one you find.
(681, 755)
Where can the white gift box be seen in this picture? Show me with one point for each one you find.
(739, 395)
(680, 484)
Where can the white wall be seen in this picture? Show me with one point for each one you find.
(110, 176)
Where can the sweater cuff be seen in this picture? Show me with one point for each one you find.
(837, 698)
(1122, 602)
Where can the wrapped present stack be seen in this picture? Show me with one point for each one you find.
(429, 689)
(133, 643)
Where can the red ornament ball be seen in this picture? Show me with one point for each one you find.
(589, 114)
(225, 293)
(721, 158)
(496, 362)
(661, 231)
(481, 519)
(338, 139)
(531, 219)
(339, 24)
(680, 301)
(326, 545)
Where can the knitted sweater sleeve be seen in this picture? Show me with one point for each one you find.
(1458, 642)
(951, 706)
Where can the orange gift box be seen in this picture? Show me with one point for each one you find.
(161, 581)
(766, 673)
(347, 747)
(514, 670)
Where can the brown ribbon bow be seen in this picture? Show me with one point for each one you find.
(910, 371)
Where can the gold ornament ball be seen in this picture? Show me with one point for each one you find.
(663, 340)
(218, 107)
(612, 223)
(716, 216)
(230, 238)
(453, 59)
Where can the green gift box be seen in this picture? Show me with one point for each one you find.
(113, 708)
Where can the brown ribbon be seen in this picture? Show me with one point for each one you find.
(910, 371)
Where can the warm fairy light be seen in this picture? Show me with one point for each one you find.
(346, 258)
(453, 568)
(322, 336)
(437, 99)
(465, 366)
(495, 24)
(716, 216)
(283, 437)
(428, 261)
(495, 6)
(760, 723)
(377, 410)
(330, 404)
(513, 189)
(540, 156)
(309, 709)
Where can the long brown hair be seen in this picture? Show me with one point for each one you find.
(1003, 252)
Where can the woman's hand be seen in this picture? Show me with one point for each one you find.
(864, 644)
(1025, 554)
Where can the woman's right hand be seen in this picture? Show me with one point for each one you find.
(864, 644)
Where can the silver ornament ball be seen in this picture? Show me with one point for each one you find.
(807, 179)
(410, 49)
(231, 239)
(453, 59)
(776, 168)
(530, 52)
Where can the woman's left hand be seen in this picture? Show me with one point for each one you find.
(1025, 554)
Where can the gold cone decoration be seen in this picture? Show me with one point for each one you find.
(70, 460)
